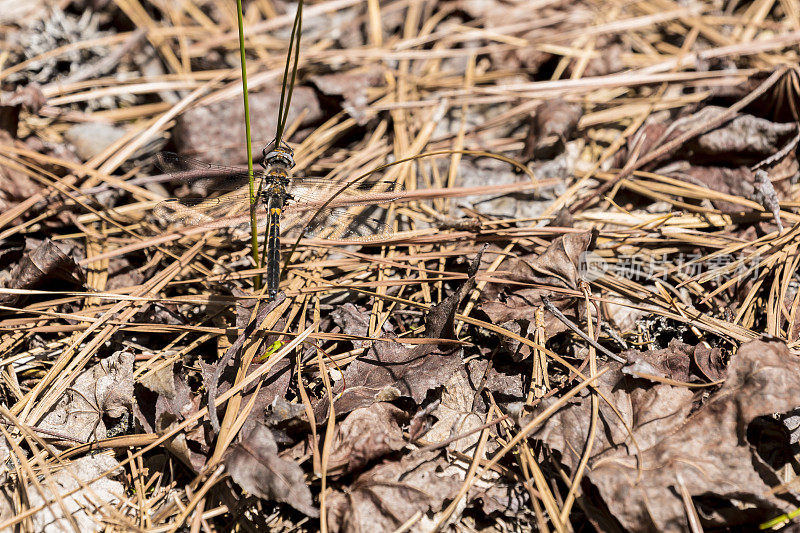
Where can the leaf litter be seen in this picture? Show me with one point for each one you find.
(611, 345)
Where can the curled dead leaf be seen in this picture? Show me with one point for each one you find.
(46, 263)
(163, 401)
(389, 494)
(255, 466)
(551, 126)
(558, 266)
(367, 433)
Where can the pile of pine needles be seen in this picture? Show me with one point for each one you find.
(429, 83)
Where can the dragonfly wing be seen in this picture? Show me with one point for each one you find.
(317, 190)
(335, 224)
(195, 172)
(209, 212)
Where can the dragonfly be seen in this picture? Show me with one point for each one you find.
(303, 205)
(316, 207)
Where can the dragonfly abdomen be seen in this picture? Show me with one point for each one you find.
(273, 252)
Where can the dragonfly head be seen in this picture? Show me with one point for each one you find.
(278, 155)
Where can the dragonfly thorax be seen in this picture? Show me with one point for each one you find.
(275, 192)
(277, 164)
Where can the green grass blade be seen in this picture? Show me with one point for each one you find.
(248, 140)
(288, 86)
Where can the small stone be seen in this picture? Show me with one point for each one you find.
(216, 132)
(91, 138)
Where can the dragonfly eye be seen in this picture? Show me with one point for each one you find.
(280, 157)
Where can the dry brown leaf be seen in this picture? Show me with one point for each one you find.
(742, 141)
(351, 320)
(455, 414)
(390, 370)
(745, 136)
(46, 263)
(551, 126)
(674, 361)
(104, 390)
(367, 433)
(709, 451)
(738, 181)
(384, 497)
(162, 402)
(254, 464)
(709, 361)
(250, 325)
(82, 488)
(557, 266)
(651, 411)
(507, 382)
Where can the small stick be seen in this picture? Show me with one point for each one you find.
(571, 325)
(780, 154)
(105, 64)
